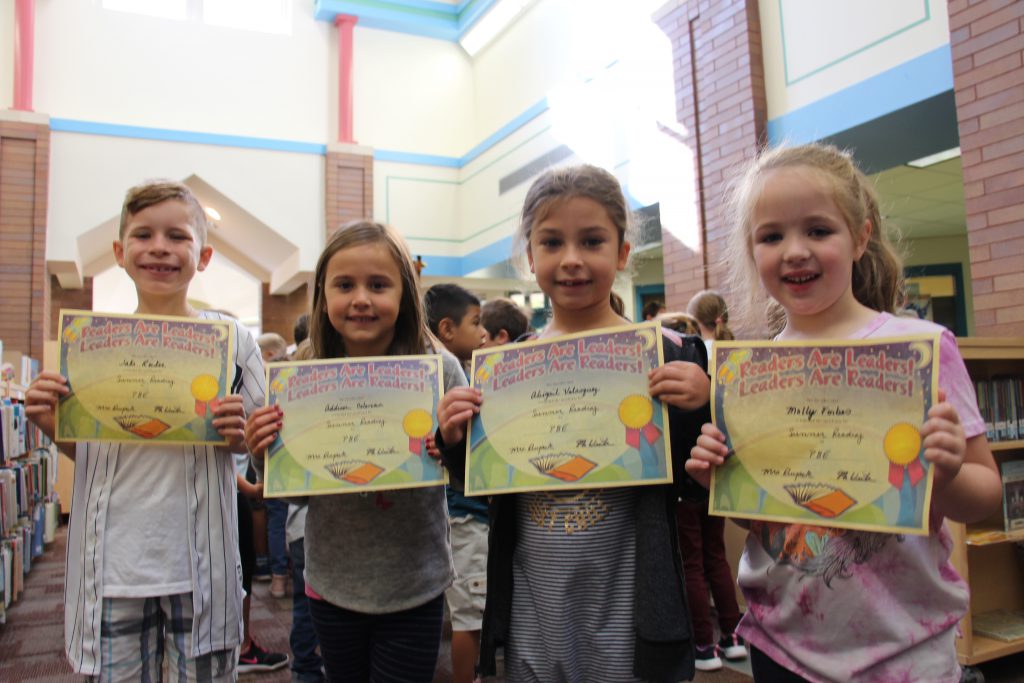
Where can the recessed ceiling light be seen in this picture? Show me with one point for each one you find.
(933, 159)
(212, 212)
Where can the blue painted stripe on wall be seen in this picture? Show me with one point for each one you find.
(169, 135)
(910, 82)
(487, 256)
(441, 266)
(506, 130)
(414, 158)
(414, 17)
(413, 28)
(471, 13)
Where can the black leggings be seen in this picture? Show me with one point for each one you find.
(400, 647)
(246, 550)
(767, 670)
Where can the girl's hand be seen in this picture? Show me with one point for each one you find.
(261, 429)
(943, 439)
(432, 450)
(681, 384)
(229, 421)
(454, 411)
(41, 399)
(709, 452)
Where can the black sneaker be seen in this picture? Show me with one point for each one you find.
(258, 659)
(733, 647)
(708, 659)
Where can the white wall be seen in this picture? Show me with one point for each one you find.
(829, 46)
(411, 94)
(100, 65)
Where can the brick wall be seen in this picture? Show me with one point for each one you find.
(80, 299)
(349, 178)
(720, 100)
(279, 312)
(24, 283)
(988, 46)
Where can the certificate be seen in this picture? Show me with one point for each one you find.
(825, 433)
(568, 413)
(142, 378)
(353, 425)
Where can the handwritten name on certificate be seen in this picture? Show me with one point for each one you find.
(569, 412)
(353, 425)
(825, 433)
(142, 378)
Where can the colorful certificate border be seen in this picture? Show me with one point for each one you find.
(408, 414)
(798, 378)
(517, 378)
(74, 420)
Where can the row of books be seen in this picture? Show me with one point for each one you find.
(1000, 402)
(22, 544)
(25, 483)
(1012, 472)
(17, 435)
(17, 367)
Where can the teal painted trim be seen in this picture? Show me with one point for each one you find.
(413, 17)
(192, 137)
(785, 61)
(414, 158)
(911, 82)
(512, 126)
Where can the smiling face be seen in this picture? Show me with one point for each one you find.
(161, 253)
(804, 250)
(575, 251)
(362, 295)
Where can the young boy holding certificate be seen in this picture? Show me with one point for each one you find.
(152, 561)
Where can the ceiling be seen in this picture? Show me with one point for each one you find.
(923, 202)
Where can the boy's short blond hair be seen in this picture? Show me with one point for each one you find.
(153, 192)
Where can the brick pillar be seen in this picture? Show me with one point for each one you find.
(349, 181)
(988, 49)
(24, 282)
(278, 312)
(720, 100)
(80, 299)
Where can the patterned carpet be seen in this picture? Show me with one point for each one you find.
(32, 640)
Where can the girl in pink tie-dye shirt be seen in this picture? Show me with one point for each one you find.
(829, 604)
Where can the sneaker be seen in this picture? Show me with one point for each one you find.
(258, 659)
(278, 584)
(708, 659)
(733, 647)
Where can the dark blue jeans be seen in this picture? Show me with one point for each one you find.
(307, 665)
(277, 546)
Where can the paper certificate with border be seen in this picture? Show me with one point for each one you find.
(825, 433)
(569, 412)
(353, 425)
(142, 378)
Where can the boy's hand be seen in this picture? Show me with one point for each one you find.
(41, 400)
(229, 421)
(454, 411)
(709, 452)
(681, 384)
(261, 429)
(250, 490)
(943, 439)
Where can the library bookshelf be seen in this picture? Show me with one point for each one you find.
(985, 555)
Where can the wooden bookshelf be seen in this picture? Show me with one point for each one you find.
(983, 553)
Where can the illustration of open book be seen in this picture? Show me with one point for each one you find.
(821, 499)
(564, 466)
(355, 471)
(142, 425)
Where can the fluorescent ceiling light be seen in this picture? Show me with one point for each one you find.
(933, 159)
(491, 24)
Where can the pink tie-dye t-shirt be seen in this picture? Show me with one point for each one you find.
(840, 605)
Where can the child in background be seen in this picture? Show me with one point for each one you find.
(274, 348)
(702, 536)
(605, 603)
(453, 315)
(376, 566)
(860, 606)
(152, 559)
(503, 322)
(683, 323)
(652, 309)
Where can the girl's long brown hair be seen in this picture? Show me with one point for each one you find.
(410, 328)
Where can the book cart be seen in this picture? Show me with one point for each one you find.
(989, 558)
